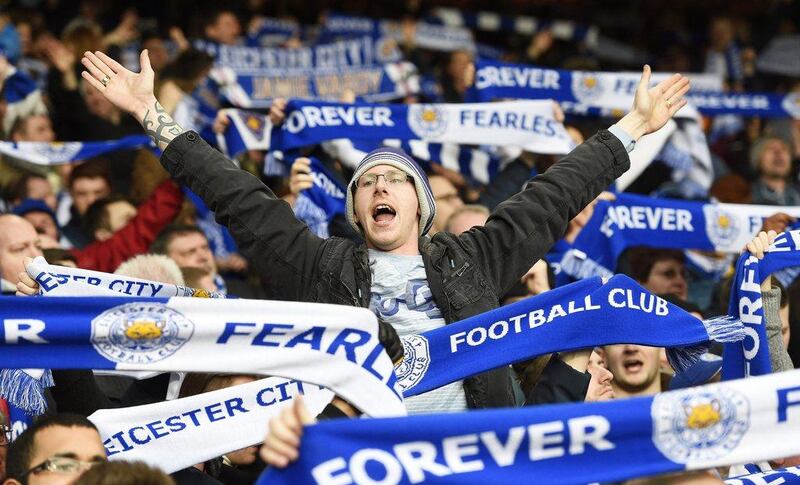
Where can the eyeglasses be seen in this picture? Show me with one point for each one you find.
(392, 177)
(62, 464)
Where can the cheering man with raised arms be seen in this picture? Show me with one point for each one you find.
(413, 282)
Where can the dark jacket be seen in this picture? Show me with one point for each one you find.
(467, 274)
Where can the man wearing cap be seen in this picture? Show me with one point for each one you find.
(43, 219)
(410, 281)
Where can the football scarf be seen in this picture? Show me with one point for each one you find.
(60, 153)
(351, 53)
(65, 281)
(167, 434)
(423, 35)
(566, 30)
(690, 429)
(372, 84)
(251, 131)
(526, 124)
(337, 348)
(614, 91)
(272, 32)
(634, 220)
(320, 203)
(581, 315)
(789, 476)
(750, 357)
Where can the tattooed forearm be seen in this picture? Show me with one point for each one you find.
(160, 126)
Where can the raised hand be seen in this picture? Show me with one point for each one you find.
(277, 111)
(652, 107)
(126, 90)
(759, 245)
(281, 446)
(300, 178)
(27, 286)
(131, 92)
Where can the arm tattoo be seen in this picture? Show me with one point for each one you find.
(163, 129)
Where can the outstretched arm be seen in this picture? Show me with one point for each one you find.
(132, 92)
(523, 228)
(282, 249)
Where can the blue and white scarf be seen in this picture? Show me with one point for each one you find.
(526, 124)
(634, 220)
(690, 429)
(251, 131)
(352, 53)
(585, 90)
(566, 30)
(425, 35)
(338, 348)
(581, 315)
(166, 434)
(272, 32)
(607, 90)
(60, 153)
(22, 96)
(20, 421)
(319, 204)
(246, 131)
(25, 387)
(788, 476)
(750, 357)
(65, 281)
(373, 84)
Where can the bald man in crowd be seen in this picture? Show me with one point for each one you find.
(18, 239)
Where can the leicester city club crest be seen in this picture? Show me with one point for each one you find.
(698, 425)
(587, 86)
(416, 359)
(722, 228)
(140, 333)
(427, 120)
(200, 293)
(254, 123)
(59, 152)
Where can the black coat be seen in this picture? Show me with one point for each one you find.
(467, 274)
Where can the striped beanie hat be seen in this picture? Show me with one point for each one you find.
(400, 160)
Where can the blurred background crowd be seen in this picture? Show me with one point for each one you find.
(102, 212)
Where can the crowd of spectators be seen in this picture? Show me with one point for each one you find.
(116, 212)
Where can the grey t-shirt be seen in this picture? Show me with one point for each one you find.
(401, 297)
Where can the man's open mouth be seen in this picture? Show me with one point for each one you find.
(383, 213)
(633, 365)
